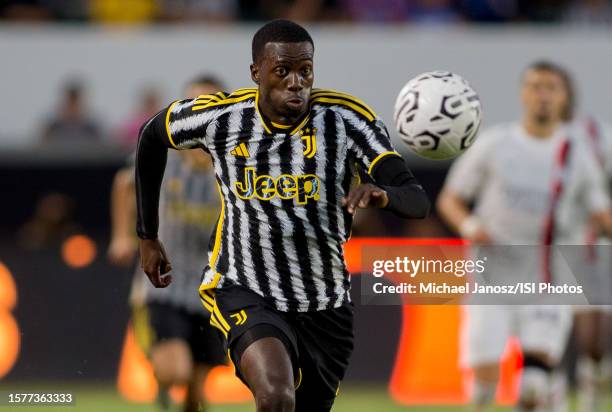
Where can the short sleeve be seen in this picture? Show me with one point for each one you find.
(469, 172)
(368, 140)
(186, 122)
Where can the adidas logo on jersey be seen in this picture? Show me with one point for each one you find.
(240, 151)
(264, 187)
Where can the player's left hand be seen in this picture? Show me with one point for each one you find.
(363, 196)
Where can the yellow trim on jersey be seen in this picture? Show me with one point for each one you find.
(220, 317)
(206, 305)
(242, 91)
(230, 100)
(205, 296)
(224, 101)
(216, 324)
(168, 123)
(299, 380)
(299, 126)
(263, 122)
(217, 245)
(280, 126)
(208, 97)
(335, 93)
(377, 159)
(347, 103)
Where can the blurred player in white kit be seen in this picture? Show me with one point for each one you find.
(592, 321)
(529, 181)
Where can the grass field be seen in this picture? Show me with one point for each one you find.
(106, 399)
(352, 399)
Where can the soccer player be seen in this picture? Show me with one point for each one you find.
(530, 181)
(284, 155)
(185, 346)
(592, 322)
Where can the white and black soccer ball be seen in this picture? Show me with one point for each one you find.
(438, 114)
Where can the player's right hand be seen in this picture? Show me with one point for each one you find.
(155, 263)
(121, 251)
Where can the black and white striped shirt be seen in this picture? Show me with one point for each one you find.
(281, 227)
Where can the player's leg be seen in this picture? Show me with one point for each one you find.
(170, 353)
(261, 344)
(266, 367)
(172, 363)
(194, 398)
(325, 342)
(485, 331)
(207, 349)
(590, 327)
(543, 331)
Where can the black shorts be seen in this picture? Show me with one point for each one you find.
(319, 343)
(171, 322)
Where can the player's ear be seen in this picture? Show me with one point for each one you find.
(255, 72)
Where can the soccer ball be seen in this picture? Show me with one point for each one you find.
(438, 114)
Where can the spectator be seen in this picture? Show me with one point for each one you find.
(490, 11)
(542, 11)
(71, 123)
(589, 12)
(23, 10)
(52, 221)
(375, 11)
(209, 10)
(150, 103)
(432, 11)
(121, 11)
(301, 10)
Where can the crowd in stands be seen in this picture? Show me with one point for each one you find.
(345, 11)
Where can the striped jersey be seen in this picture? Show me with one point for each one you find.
(189, 207)
(282, 226)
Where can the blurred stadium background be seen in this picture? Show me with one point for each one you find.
(79, 77)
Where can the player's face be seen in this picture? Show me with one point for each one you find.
(284, 75)
(544, 96)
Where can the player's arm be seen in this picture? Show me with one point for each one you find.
(123, 210)
(463, 183)
(394, 187)
(174, 127)
(596, 194)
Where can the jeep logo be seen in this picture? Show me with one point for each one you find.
(264, 187)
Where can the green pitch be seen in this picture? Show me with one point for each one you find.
(105, 399)
(351, 399)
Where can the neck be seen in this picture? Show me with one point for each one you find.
(267, 110)
(539, 130)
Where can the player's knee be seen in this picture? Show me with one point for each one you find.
(275, 398)
(535, 383)
(172, 364)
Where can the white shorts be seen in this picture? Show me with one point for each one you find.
(486, 329)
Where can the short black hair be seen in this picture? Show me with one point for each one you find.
(566, 77)
(281, 31)
(206, 78)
